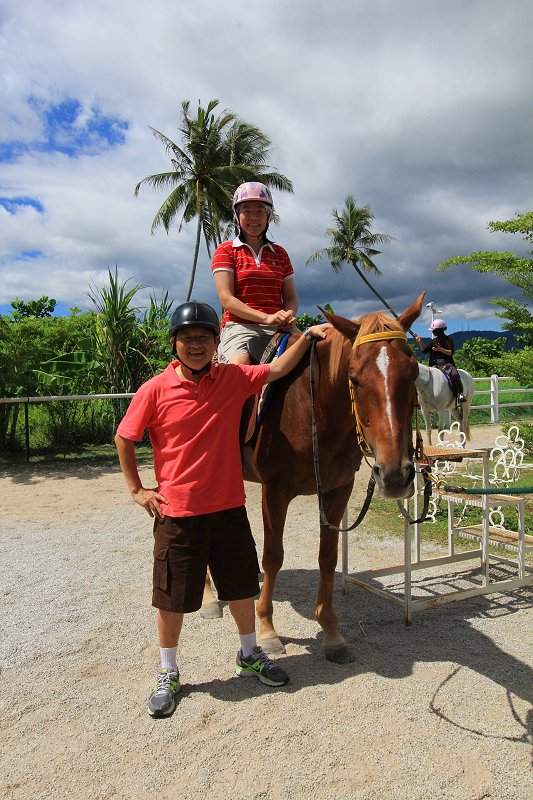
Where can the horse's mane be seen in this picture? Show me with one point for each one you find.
(375, 322)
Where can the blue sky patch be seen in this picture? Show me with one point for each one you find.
(71, 129)
(26, 255)
(11, 204)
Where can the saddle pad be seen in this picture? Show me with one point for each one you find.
(446, 375)
(273, 351)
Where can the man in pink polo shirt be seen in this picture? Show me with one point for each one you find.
(192, 411)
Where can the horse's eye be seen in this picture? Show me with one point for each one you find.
(353, 379)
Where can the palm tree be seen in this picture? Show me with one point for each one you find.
(218, 152)
(353, 243)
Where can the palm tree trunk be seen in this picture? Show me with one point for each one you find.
(195, 259)
(393, 312)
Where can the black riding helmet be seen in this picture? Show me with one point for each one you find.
(201, 315)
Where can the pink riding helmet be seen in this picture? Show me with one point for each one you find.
(438, 325)
(253, 191)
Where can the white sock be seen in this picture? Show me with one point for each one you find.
(248, 642)
(168, 658)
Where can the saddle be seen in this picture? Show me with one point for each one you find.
(445, 372)
(255, 407)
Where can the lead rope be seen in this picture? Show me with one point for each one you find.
(314, 437)
(425, 471)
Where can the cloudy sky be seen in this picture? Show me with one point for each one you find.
(419, 108)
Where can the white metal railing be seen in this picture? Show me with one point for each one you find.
(494, 405)
(495, 391)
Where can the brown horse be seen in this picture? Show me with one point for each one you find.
(382, 370)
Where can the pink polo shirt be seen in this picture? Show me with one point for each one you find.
(194, 431)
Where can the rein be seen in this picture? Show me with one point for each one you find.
(361, 441)
(314, 436)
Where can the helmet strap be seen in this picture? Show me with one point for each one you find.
(201, 371)
(242, 235)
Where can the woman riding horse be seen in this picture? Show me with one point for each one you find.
(441, 350)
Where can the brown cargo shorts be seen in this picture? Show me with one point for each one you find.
(185, 546)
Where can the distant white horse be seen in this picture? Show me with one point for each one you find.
(434, 394)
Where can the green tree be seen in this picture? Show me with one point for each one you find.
(218, 151)
(517, 270)
(352, 242)
(477, 355)
(25, 344)
(44, 307)
(518, 363)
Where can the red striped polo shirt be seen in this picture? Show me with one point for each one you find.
(258, 279)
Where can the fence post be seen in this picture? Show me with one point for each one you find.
(27, 429)
(494, 399)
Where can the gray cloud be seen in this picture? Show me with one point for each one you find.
(420, 109)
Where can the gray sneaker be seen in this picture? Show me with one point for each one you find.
(162, 700)
(261, 666)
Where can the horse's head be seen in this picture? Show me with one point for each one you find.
(382, 372)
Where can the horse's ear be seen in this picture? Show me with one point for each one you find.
(347, 327)
(410, 314)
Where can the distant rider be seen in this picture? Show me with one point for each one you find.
(441, 350)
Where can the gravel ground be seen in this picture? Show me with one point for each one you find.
(439, 711)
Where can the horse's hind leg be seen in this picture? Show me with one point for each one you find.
(426, 413)
(335, 648)
(275, 504)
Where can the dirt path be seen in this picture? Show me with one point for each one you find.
(442, 710)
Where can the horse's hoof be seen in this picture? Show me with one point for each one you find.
(211, 610)
(338, 654)
(272, 645)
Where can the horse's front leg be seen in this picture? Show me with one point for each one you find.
(211, 608)
(335, 648)
(275, 504)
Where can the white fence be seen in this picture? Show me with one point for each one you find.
(495, 401)
(495, 392)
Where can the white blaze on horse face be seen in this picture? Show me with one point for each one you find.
(382, 362)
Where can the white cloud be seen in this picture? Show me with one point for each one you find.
(418, 108)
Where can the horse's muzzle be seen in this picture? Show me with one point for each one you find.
(395, 484)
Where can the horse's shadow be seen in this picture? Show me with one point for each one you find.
(380, 643)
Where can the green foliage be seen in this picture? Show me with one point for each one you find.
(114, 333)
(517, 270)
(217, 152)
(44, 307)
(518, 363)
(24, 345)
(112, 349)
(477, 355)
(523, 223)
(304, 321)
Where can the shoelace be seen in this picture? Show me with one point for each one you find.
(262, 658)
(163, 681)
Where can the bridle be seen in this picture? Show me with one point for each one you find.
(369, 337)
(361, 440)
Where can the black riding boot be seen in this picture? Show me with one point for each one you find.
(458, 389)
